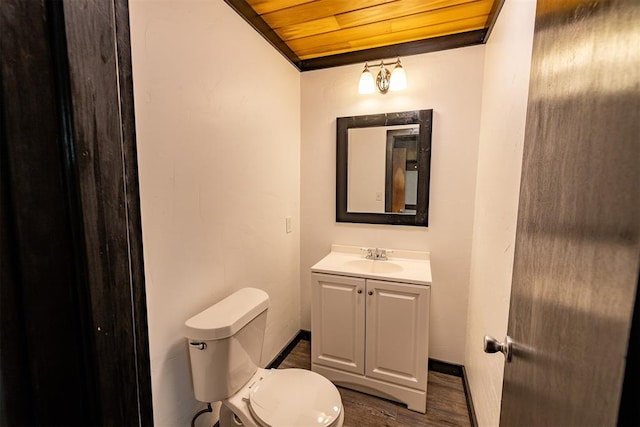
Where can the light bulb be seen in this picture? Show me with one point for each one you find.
(366, 85)
(398, 78)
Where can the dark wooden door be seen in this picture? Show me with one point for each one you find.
(578, 237)
(74, 340)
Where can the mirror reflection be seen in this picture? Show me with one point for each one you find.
(383, 165)
(383, 169)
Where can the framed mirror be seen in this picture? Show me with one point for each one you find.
(383, 167)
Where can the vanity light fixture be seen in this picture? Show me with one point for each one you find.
(396, 80)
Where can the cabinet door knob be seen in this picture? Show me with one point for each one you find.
(359, 291)
(370, 292)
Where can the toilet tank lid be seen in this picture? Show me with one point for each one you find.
(228, 316)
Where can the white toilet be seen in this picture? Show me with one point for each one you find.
(225, 346)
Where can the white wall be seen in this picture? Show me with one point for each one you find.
(218, 130)
(504, 103)
(449, 82)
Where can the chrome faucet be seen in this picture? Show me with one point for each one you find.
(378, 254)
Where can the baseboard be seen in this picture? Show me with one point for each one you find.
(305, 335)
(446, 368)
(467, 395)
(458, 371)
(301, 335)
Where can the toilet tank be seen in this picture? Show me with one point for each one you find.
(225, 343)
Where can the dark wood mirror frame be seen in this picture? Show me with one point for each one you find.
(424, 119)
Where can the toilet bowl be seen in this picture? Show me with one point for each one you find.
(225, 347)
(284, 398)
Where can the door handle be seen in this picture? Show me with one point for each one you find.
(492, 345)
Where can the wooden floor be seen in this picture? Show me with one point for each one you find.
(446, 404)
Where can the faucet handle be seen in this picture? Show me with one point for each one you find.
(382, 253)
(371, 253)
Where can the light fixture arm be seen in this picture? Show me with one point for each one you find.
(381, 63)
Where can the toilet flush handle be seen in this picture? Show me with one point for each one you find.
(200, 345)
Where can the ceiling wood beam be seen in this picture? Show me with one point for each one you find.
(312, 11)
(268, 6)
(392, 38)
(493, 17)
(446, 21)
(327, 52)
(243, 9)
(452, 41)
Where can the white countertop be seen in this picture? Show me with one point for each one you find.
(401, 266)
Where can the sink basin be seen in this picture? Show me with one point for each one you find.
(373, 266)
(412, 267)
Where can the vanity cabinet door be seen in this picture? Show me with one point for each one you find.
(397, 342)
(337, 322)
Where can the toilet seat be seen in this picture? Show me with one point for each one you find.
(295, 397)
(284, 398)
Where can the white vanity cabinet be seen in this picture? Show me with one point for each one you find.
(370, 332)
(337, 322)
(396, 341)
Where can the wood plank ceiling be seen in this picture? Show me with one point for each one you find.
(323, 33)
